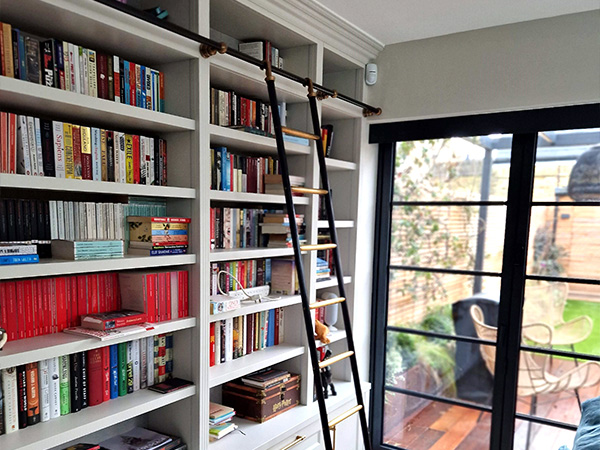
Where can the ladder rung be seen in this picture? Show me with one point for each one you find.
(301, 134)
(304, 190)
(335, 359)
(344, 416)
(323, 303)
(307, 248)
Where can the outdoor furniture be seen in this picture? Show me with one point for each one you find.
(545, 305)
(534, 378)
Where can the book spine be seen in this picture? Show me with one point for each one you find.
(11, 402)
(114, 371)
(33, 398)
(103, 156)
(23, 154)
(130, 367)
(135, 357)
(75, 381)
(65, 385)
(143, 364)
(48, 63)
(85, 387)
(92, 74)
(54, 387)
(116, 95)
(156, 362)
(22, 395)
(47, 148)
(169, 355)
(129, 164)
(95, 376)
(106, 375)
(86, 153)
(122, 369)
(77, 163)
(96, 154)
(162, 357)
(150, 360)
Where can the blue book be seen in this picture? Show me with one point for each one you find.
(22, 58)
(143, 87)
(169, 353)
(114, 371)
(168, 251)
(225, 169)
(271, 331)
(126, 79)
(169, 232)
(295, 139)
(267, 270)
(138, 87)
(19, 259)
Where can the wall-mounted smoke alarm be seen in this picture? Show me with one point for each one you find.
(371, 74)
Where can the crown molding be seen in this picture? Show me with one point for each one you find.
(316, 21)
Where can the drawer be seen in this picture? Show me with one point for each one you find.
(301, 441)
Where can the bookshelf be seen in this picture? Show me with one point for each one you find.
(332, 53)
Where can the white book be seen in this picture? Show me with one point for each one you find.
(117, 156)
(77, 228)
(217, 342)
(116, 77)
(110, 227)
(143, 159)
(151, 150)
(96, 155)
(53, 219)
(11, 405)
(147, 159)
(54, 387)
(150, 359)
(67, 66)
(92, 74)
(23, 159)
(38, 146)
(229, 339)
(74, 62)
(122, 165)
(60, 208)
(143, 364)
(148, 88)
(100, 222)
(70, 226)
(136, 364)
(174, 295)
(90, 210)
(83, 75)
(32, 145)
(59, 148)
(116, 227)
(44, 386)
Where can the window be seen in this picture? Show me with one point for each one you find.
(481, 231)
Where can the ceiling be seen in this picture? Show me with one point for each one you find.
(392, 21)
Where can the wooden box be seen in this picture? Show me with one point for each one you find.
(261, 405)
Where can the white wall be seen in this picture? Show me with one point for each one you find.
(540, 63)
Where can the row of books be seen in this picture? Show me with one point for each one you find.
(250, 273)
(154, 236)
(263, 51)
(228, 109)
(42, 147)
(276, 225)
(239, 336)
(240, 173)
(77, 221)
(70, 67)
(41, 391)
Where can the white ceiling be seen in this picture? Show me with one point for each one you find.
(392, 21)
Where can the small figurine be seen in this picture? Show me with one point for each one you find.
(326, 377)
(3, 337)
(322, 331)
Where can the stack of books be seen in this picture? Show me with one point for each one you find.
(266, 378)
(323, 270)
(143, 439)
(154, 236)
(86, 250)
(277, 227)
(219, 419)
(18, 253)
(262, 50)
(274, 183)
(327, 138)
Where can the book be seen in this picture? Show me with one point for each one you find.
(33, 391)
(95, 376)
(136, 439)
(219, 431)
(114, 371)
(170, 385)
(8, 250)
(22, 395)
(86, 250)
(122, 357)
(11, 403)
(75, 382)
(107, 335)
(44, 389)
(54, 386)
(218, 413)
(111, 320)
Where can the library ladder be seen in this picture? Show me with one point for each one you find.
(325, 192)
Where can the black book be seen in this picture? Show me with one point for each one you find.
(157, 173)
(3, 224)
(48, 64)
(32, 52)
(111, 84)
(33, 219)
(44, 213)
(75, 379)
(15, 41)
(22, 395)
(217, 225)
(59, 65)
(47, 148)
(170, 385)
(122, 81)
(110, 156)
(223, 340)
(11, 219)
(84, 381)
(20, 221)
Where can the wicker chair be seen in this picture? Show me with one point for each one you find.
(534, 377)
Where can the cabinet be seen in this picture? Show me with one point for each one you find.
(330, 52)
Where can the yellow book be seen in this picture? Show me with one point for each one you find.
(128, 159)
(86, 153)
(7, 51)
(69, 161)
(103, 156)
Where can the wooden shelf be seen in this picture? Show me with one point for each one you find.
(338, 224)
(250, 197)
(98, 187)
(257, 360)
(250, 308)
(332, 282)
(93, 25)
(227, 72)
(254, 143)
(336, 109)
(63, 105)
(334, 165)
(38, 348)
(248, 253)
(52, 267)
(58, 431)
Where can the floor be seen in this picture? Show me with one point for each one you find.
(439, 426)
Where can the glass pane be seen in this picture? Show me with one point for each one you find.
(439, 302)
(440, 367)
(448, 237)
(563, 171)
(418, 424)
(541, 437)
(449, 169)
(564, 241)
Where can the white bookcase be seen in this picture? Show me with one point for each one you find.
(314, 44)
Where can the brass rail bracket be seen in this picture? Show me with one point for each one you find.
(208, 50)
(369, 113)
(311, 89)
(322, 95)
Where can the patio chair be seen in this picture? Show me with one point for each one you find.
(545, 304)
(534, 377)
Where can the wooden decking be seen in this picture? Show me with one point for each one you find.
(439, 426)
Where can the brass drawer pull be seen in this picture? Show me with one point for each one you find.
(293, 444)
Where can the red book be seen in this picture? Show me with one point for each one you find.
(79, 303)
(92, 289)
(105, 373)
(161, 91)
(110, 320)
(116, 79)
(168, 296)
(3, 307)
(39, 316)
(77, 152)
(180, 301)
(102, 75)
(104, 287)
(162, 289)
(132, 84)
(136, 158)
(185, 294)
(11, 305)
(163, 144)
(95, 374)
(61, 303)
(276, 328)
(3, 142)
(212, 344)
(12, 143)
(46, 306)
(114, 286)
(151, 307)
(28, 300)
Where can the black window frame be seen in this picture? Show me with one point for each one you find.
(524, 126)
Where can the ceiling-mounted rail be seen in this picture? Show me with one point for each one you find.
(209, 47)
